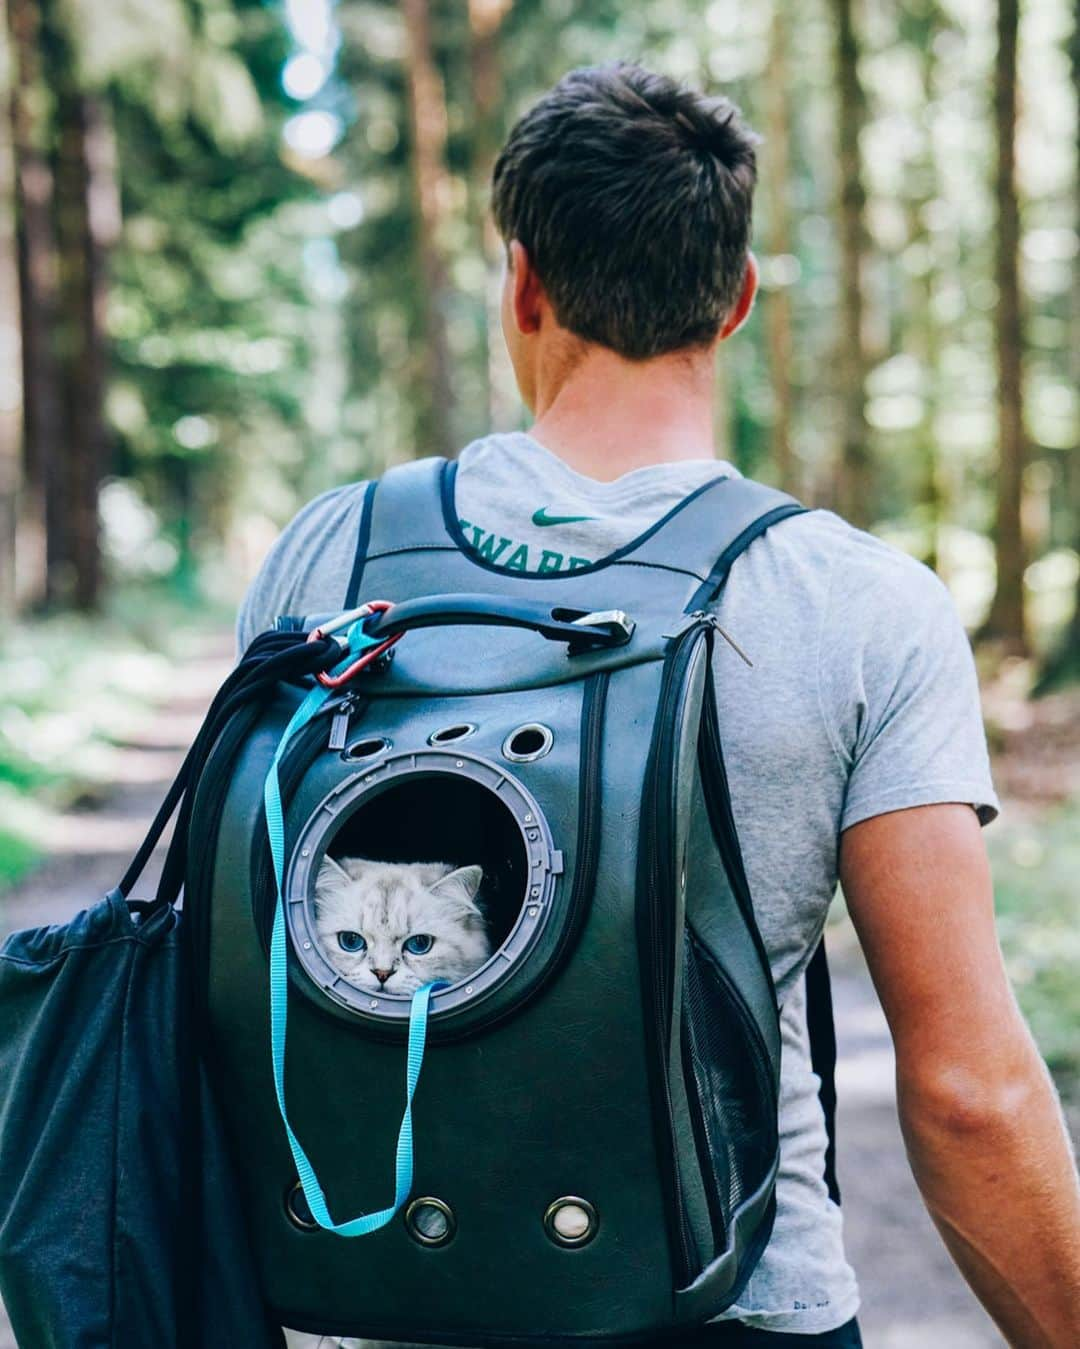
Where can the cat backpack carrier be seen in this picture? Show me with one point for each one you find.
(590, 1150)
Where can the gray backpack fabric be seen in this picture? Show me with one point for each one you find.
(595, 1127)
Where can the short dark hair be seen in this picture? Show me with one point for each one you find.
(633, 197)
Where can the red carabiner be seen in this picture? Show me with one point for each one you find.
(372, 654)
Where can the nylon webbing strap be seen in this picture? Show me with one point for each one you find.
(279, 986)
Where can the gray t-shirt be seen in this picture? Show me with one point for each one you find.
(862, 699)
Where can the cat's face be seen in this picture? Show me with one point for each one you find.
(389, 927)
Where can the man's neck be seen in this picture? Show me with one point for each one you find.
(606, 416)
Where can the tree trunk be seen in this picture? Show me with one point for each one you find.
(855, 486)
(1064, 664)
(10, 383)
(85, 221)
(427, 118)
(923, 293)
(486, 18)
(778, 301)
(36, 252)
(1005, 622)
(86, 212)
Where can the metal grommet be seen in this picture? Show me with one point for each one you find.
(430, 1222)
(449, 735)
(366, 749)
(297, 1210)
(528, 742)
(571, 1221)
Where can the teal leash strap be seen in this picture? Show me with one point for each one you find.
(279, 986)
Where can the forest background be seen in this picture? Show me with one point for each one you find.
(245, 255)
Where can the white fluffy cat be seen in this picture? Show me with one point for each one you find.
(389, 927)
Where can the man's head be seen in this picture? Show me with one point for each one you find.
(625, 204)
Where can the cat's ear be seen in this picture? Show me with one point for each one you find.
(462, 884)
(331, 876)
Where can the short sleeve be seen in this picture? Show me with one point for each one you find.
(900, 691)
(307, 569)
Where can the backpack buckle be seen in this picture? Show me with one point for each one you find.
(611, 627)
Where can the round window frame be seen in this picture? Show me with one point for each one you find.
(544, 864)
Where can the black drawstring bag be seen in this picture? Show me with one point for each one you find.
(119, 1220)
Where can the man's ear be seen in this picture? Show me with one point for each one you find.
(526, 294)
(745, 302)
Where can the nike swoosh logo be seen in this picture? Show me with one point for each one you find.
(542, 518)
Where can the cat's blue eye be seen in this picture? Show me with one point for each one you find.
(351, 941)
(419, 944)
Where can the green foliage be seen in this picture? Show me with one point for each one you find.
(70, 690)
(17, 857)
(1036, 862)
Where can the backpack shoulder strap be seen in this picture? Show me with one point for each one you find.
(749, 509)
(822, 1031)
(408, 508)
(402, 512)
(712, 527)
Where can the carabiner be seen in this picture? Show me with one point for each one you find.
(346, 620)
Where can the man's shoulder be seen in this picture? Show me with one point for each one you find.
(857, 570)
(307, 569)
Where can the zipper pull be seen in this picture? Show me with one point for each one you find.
(687, 622)
(339, 726)
(731, 642)
(700, 616)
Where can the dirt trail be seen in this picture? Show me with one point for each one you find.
(913, 1299)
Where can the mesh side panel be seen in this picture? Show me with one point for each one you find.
(734, 1123)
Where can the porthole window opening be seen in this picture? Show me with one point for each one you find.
(449, 735)
(368, 748)
(424, 880)
(527, 743)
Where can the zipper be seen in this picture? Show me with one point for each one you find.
(655, 915)
(759, 1055)
(714, 784)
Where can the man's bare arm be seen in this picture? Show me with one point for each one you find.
(981, 1120)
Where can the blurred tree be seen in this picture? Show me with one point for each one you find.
(486, 18)
(431, 193)
(1005, 621)
(924, 25)
(778, 187)
(10, 383)
(86, 222)
(38, 305)
(210, 314)
(1064, 662)
(854, 486)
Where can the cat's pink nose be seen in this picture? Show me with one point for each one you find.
(382, 975)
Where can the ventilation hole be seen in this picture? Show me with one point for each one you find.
(366, 749)
(296, 1207)
(450, 733)
(571, 1221)
(430, 1222)
(527, 743)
